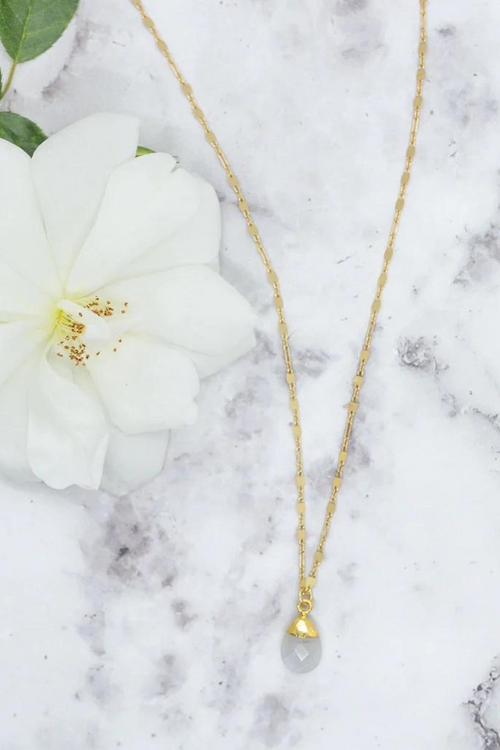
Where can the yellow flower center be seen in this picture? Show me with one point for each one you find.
(81, 328)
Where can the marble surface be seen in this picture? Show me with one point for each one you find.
(155, 620)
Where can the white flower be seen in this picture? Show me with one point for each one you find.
(110, 307)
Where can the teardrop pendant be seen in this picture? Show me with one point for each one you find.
(301, 646)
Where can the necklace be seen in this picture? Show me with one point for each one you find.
(301, 647)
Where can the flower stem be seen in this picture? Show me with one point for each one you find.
(10, 77)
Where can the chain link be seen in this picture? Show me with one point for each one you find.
(306, 583)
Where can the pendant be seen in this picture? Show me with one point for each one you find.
(301, 646)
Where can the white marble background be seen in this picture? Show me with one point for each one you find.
(155, 621)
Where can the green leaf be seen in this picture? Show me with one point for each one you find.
(143, 151)
(29, 27)
(21, 131)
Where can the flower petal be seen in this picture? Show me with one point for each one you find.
(14, 395)
(67, 431)
(19, 297)
(145, 385)
(133, 459)
(70, 172)
(17, 341)
(208, 364)
(198, 241)
(193, 308)
(24, 244)
(145, 202)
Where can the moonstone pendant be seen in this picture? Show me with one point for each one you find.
(301, 646)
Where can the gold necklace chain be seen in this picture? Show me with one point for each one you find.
(307, 583)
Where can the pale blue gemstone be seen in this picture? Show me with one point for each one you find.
(300, 654)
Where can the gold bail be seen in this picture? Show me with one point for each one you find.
(302, 627)
(305, 601)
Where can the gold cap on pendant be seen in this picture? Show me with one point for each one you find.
(302, 627)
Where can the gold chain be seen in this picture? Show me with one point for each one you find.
(306, 584)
